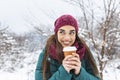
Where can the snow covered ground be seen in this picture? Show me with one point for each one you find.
(27, 73)
(111, 71)
(21, 75)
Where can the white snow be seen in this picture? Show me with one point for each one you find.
(27, 73)
(111, 72)
(21, 75)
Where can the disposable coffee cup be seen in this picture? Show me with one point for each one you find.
(69, 50)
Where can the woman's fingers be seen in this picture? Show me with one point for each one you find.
(72, 62)
(67, 57)
(65, 63)
(75, 55)
(75, 63)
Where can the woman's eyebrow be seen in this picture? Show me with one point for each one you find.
(64, 30)
(72, 30)
(61, 29)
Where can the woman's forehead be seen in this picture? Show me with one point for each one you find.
(67, 27)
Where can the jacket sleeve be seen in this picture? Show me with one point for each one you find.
(60, 74)
(38, 71)
(84, 75)
(86, 71)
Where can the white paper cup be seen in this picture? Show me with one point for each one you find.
(69, 50)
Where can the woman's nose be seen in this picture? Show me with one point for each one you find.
(67, 37)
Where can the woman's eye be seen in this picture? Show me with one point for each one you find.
(62, 32)
(72, 32)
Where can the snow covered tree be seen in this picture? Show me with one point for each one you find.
(101, 33)
(5, 41)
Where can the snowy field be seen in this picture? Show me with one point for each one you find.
(111, 71)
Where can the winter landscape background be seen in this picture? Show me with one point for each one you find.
(26, 25)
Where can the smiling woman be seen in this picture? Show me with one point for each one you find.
(53, 65)
(66, 35)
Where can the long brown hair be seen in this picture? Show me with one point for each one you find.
(88, 55)
(53, 40)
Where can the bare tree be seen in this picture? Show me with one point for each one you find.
(105, 34)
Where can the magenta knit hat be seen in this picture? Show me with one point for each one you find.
(65, 20)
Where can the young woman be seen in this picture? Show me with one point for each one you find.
(52, 65)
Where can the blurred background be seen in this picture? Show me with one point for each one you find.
(25, 26)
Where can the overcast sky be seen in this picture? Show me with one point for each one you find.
(20, 14)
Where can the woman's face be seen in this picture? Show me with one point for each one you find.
(66, 35)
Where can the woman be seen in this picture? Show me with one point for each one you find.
(52, 65)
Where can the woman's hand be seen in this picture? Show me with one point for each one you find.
(72, 62)
(75, 63)
(66, 62)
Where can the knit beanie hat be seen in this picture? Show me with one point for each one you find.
(65, 20)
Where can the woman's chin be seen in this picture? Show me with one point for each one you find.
(66, 45)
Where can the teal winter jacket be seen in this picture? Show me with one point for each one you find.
(59, 73)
